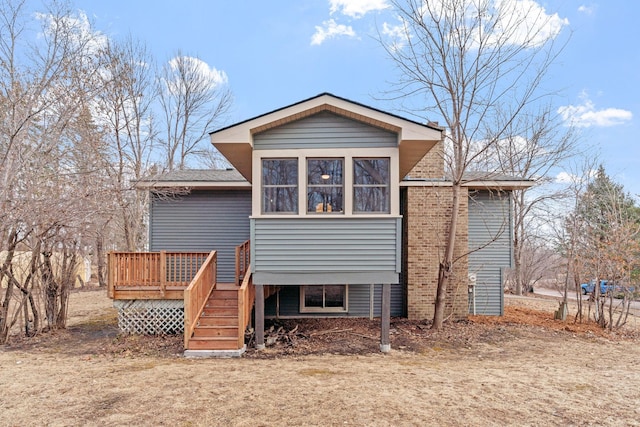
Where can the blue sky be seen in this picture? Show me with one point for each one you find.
(275, 53)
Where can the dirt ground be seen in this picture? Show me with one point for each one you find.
(521, 369)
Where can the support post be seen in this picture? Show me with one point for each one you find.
(385, 318)
(259, 317)
(111, 275)
(163, 272)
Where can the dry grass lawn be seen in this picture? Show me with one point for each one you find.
(477, 373)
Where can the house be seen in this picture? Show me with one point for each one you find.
(332, 209)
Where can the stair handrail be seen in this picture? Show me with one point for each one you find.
(243, 258)
(246, 299)
(197, 294)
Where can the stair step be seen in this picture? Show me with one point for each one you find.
(218, 321)
(215, 331)
(224, 294)
(210, 343)
(220, 311)
(222, 302)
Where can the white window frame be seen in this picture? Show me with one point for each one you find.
(263, 186)
(348, 154)
(341, 185)
(386, 185)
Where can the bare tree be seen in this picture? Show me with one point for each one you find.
(604, 232)
(194, 97)
(534, 147)
(124, 113)
(42, 71)
(465, 61)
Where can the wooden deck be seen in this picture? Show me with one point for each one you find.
(216, 315)
(152, 275)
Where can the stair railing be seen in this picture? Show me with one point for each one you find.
(243, 258)
(197, 294)
(246, 299)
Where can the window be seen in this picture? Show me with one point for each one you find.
(371, 185)
(323, 298)
(325, 185)
(280, 186)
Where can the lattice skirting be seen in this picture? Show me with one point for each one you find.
(150, 317)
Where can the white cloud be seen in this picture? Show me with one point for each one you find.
(76, 28)
(589, 10)
(586, 115)
(210, 74)
(566, 178)
(397, 33)
(515, 22)
(534, 26)
(356, 8)
(330, 29)
(571, 178)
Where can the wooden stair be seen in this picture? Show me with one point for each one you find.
(217, 327)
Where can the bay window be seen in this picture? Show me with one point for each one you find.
(333, 185)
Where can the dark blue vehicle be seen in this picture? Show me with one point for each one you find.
(589, 288)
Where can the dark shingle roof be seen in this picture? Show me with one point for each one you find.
(196, 175)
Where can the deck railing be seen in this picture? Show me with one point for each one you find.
(246, 298)
(197, 293)
(243, 259)
(152, 273)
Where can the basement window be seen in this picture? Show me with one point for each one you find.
(323, 299)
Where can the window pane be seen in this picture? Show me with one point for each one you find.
(324, 199)
(325, 184)
(371, 171)
(371, 199)
(313, 296)
(280, 185)
(324, 171)
(280, 172)
(280, 199)
(334, 295)
(371, 180)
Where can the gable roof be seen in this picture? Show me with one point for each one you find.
(235, 142)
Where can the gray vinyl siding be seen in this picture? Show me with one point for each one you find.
(287, 302)
(327, 250)
(324, 130)
(490, 230)
(202, 221)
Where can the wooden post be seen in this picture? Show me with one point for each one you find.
(111, 276)
(385, 319)
(163, 272)
(259, 317)
(238, 261)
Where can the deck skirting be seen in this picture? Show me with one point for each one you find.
(150, 317)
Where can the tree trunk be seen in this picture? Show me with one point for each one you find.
(5, 323)
(517, 263)
(445, 273)
(100, 255)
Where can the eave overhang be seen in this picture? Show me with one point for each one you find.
(474, 185)
(235, 142)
